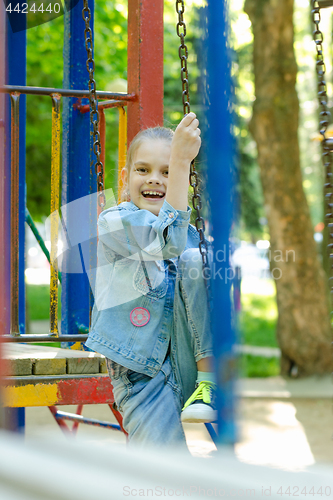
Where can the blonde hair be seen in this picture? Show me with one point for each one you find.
(155, 133)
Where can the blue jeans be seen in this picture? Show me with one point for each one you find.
(151, 406)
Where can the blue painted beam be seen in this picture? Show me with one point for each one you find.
(16, 46)
(16, 75)
(78, 179)
(220, 157)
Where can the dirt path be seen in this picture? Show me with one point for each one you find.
(289, 433)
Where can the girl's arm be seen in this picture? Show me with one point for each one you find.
(131, 233)
(184, 148)
(138, 234)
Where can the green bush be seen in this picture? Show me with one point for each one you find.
(257, 320)
(256, 366)
(257, 327)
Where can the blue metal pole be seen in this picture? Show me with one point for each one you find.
(220, 164)
(16, 50)
(78, 178)
(16, 75)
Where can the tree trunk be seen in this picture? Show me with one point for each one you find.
(303, 329)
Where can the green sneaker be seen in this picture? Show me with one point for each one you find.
(200, 407)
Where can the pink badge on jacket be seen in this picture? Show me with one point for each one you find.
(139, 316)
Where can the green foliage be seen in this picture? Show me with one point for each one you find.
(256, 366)
(44, 69)
(257, 321)
(38, 302)
(111, 72)
(110, 42)
(173, 106)
(310, 150)
(249, 185)
(44, 54)
(257, 325)
(48, 344)
(307, 92)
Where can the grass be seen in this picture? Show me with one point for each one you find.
(257, 366)
(38, 302)
(257, 327)
(257, 320)
(257, 324)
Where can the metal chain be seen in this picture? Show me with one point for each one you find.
(196, 198)
(323, 125)
(94, 114)
(183, 54)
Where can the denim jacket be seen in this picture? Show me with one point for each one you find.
(132, 315)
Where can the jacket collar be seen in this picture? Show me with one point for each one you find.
(128, 205)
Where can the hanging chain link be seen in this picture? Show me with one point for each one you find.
(196, 198)
(94, 114)
(323, 125)
(183, 54)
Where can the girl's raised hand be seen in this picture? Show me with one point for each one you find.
(186, 141)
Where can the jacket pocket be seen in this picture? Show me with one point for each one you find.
(150, 280)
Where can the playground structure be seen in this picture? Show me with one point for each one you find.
(144, 104)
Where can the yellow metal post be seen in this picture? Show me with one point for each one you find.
(55, 175)
(122, 148)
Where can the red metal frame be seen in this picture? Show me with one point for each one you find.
(61, 422)
(77, 418)
(145, 65)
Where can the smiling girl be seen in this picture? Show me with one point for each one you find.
(149, 284)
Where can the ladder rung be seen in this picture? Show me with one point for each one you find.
(325, 3)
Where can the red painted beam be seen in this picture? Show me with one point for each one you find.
(145, 65)
(92, 390)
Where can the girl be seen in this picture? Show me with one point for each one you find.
(150, 317)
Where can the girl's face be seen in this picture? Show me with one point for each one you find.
(148, 177)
